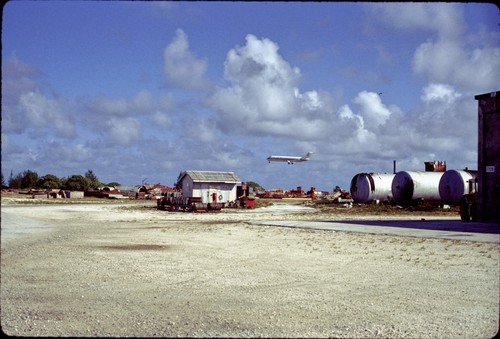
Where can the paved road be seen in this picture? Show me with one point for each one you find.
(425, 228)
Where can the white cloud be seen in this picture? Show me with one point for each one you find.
(454, 65)
(356, 133)
(444, 112)
(162, 119)
(121, 120)
(123, 132)
(262, 107)
(67, 154)
(181, 67)
(104, 106)
(310, 101)
(167, 8)
(452, 62)
(470, 63)
(439, 92)
(446, 19)
(17, 78)
(259, 61)
(24, 106)
(263, 95)
(143, 101)
(204, 130)
(347, 124)
(161, 115)
(374, 113)
(41, 112)
(109, 106)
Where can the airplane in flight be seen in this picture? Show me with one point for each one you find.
(289, 159)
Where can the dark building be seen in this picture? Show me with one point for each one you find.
(488, 158)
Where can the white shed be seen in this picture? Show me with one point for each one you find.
(210, 186)
(74, 194)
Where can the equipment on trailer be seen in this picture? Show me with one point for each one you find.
(175, 202)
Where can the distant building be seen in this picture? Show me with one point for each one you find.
(129, 189)
(435, 166)
(74, 194)
(209, 186)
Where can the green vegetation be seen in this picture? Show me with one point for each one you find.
(30, 180)
(254, 185)
(49, 181)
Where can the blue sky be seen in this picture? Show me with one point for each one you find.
(140, 91)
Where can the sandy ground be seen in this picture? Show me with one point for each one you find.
(119, 270)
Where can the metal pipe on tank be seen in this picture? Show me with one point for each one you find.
(367, 187)
(408, 186)
(454, 184)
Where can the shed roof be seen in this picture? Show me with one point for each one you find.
(209, 176)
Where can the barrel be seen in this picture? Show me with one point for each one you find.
(408, 186)
(368, 187)
(454, 184)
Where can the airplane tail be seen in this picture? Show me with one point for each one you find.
(307, 156)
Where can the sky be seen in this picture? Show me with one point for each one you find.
(141, 91)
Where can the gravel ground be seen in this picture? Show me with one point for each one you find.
(121, 270)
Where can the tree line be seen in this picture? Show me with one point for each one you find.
(31, 180)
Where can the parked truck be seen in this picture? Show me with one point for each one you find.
(468, 203)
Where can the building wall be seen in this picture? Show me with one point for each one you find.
(488, 198)
(187, 187)
(75, 194)
(225, 192)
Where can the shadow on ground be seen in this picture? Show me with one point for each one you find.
(436, 225)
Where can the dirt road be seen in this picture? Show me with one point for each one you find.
(116, 270)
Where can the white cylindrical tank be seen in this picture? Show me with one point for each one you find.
(367, 187)
(454, 184)
(408, 186)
